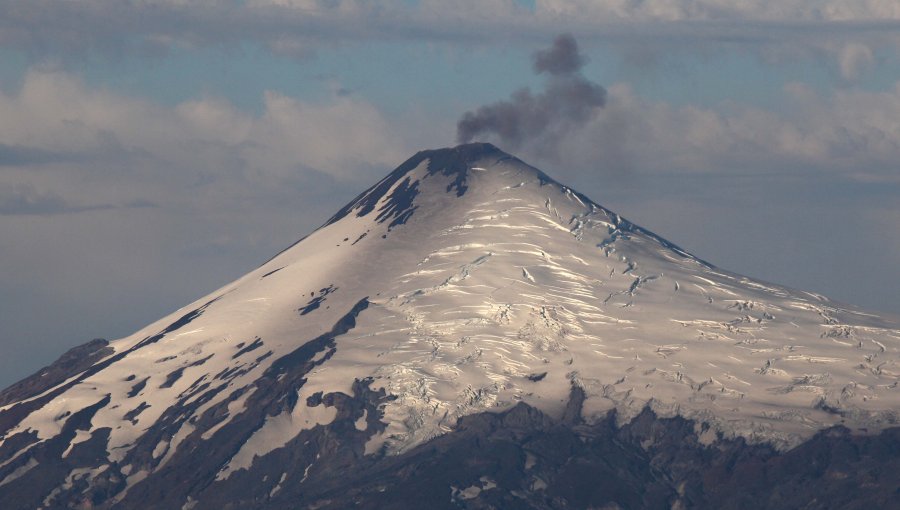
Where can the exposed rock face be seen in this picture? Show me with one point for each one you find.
(74, 361)
(468, 333)
(520, 458)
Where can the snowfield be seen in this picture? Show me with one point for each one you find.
(476, 282)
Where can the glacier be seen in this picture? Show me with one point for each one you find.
(464, 282)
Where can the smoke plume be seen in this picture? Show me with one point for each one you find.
(568, 101)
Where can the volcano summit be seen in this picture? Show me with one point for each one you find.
(469, 333)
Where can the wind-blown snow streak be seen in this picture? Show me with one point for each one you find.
(488, 284)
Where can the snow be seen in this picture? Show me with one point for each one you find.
(276, 432)
(20, 471)
(472, 491)
(235, 407)
(361, 424)
(80, 437)
(475, 293)
(277, 488)
(130, 482)
(171, 446)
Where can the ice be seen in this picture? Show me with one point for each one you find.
(80, 437)
(472, 297)
(20, 471)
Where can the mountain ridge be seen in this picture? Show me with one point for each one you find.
(464, 284)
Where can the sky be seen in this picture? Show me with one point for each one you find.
(154, 150)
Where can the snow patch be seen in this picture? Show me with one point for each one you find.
(275, 433)
(20, 471)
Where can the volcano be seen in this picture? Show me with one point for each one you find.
(470, 333)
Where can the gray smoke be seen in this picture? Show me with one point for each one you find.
(560, 59)
(568, 101)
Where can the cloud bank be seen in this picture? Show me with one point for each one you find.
(297, 28)
(579, 124)
(850, 134)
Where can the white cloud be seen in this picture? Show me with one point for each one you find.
(849, 132)
(619, 10)
(298, 27)
(854, 59)
(94, 147)
(735, 10)
(56, 113)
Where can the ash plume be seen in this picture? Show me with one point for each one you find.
(560, 59)
(568, 101)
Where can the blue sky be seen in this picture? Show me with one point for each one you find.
(152, 151)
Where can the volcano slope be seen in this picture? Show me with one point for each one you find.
(469, 333)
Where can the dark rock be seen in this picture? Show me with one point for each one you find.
(73, 361)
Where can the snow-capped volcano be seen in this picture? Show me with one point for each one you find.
(464, 282)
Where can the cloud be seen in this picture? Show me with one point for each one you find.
(854, 59)
(712, 10)
(55, 118)
(568, 102)
(298, 28)
(848, 133)
(16, 155)
(24, 199)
